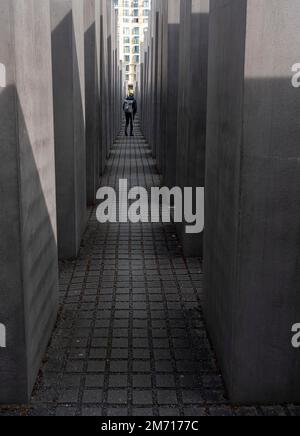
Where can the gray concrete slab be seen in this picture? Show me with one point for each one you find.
(251, 261)
(67, 23)
(192, 106)
(98, 30)
(156, 65)
(158, 101)
(109, 66)
(28, 249)
(92, 99)
(161, 128)
(172, 85)
(104, 112)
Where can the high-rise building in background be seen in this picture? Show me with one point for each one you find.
(133, 22)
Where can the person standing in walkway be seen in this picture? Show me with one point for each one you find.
(130, 110)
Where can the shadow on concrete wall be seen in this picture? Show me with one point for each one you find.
(103, 94)
(28, 250)
(92, 115)
(192, 113)
(70, 147)
(110, 95)
(155, 107)
(251, 259)
(170, 148)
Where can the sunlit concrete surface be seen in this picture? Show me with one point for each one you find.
(28, 249)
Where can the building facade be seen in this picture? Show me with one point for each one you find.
(133, 22)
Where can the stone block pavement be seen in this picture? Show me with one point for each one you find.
(130, 339)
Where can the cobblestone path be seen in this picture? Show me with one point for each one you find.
(130, 338)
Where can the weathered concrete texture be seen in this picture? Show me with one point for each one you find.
(114, 102)
(118, 96)
(148, 80)
(158, 91)
(174, 97)
(108, 63)
(192, 106)
(67, 22)
(28, 250)
(92, 99)
(98, 30)
(159, 86)
(109, 79)
(172, 85)
(156, 65)
(104, 86)
(162, 121)
(252, 274)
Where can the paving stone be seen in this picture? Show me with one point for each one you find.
(221, 411)
(192, 397)
(247, 411)
(69, 381)
(294, 410)
(98, 353)
(166, 397)
(117, 396)
(96, 366)
(143, 412)
(94, 381)
(119, 366)
(142, 397)
(120, 411)
(142, 381)
(118, 381)
(119, 353)
(68, 396)
(274, 411)
(65, 411)
(141, 366)
(195, 411)
(164, 366)
(92, 411)
(168, 412)
(165, 381)
(92, 396)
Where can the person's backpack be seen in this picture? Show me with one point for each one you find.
(128, 106)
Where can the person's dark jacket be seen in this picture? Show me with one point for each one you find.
(134, 105)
